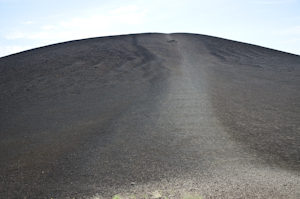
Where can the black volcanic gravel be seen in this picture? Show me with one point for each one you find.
(135, 114)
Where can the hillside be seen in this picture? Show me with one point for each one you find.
(178, 112)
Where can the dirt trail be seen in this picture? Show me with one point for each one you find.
(191, 151)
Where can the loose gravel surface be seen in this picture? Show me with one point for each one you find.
(149, 116)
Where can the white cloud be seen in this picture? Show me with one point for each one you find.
(291, 31)
(275, 2)
(125, 9)
(93, 22)
(130, 15)
(11, 49)
(48, 27)
(291, 41)
(132, 18)
(8, 0)
(294, 30)
(40, 35)
(15, 35)
(29, 22)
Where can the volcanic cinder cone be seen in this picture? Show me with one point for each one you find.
(134, 114)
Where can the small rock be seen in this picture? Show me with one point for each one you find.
(156, 195)
(132, 183)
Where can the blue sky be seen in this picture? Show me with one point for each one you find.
(27, 24)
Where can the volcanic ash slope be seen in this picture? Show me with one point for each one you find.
(134, 114)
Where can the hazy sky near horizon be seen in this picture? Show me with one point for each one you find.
(27, 24)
